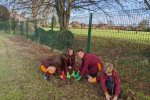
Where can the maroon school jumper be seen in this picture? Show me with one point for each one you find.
(89, 60)
(104, 78)
(44, 63)
(73, 65)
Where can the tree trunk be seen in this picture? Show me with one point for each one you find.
(64, 21)
(68, 17)
(63, 16)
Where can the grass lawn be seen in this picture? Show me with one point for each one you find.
(21, 78)
(132, 66)
(128, 36)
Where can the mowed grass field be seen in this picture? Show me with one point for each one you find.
(128, 36)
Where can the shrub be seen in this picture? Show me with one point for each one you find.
(44, 37)
(63, 39)
(4, 13)
(2, 25)
(40, 31)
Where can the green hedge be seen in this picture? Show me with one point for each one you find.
(61, 39)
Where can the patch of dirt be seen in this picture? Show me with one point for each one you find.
(7, 52)
(81, 38)
(39, 51)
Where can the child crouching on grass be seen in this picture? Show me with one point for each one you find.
(110, 81)
(54, 63)
(91, 63)
(70, 62)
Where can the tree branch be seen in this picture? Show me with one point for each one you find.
(146, 2)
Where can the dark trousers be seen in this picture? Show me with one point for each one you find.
(93, 75)
(110, 86)
(68, 64)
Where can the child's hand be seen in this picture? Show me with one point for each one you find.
(77, 74)
(61, 76)
(108, 97)
(115, 98)
(73, 74)
(64, 75)
(78, 78)
(68, 75)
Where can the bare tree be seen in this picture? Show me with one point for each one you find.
(99, 25)
(35, 8)
(144, 24)
(64, 7)
(147, 3)
(111, 24)
(22, 14)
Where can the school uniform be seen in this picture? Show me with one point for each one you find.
(44, 66)
(107, 83)
(91, 63)
(70, 61)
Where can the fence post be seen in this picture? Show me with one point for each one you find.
(21, 27)
(14, 26)
(52, 37)
(9, 26)
(27, 28)
(5, 26)
(89, 33)
(36, 30)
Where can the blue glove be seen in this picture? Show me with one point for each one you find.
(77, 74)
(78, 78)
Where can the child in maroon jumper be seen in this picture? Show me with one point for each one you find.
(54, 63)
(110, 81)
(70, 62)
(91, 63)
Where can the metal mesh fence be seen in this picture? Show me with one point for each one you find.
(26, 29)
(123, 39)
(5, 26)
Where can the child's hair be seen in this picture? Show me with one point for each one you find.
(108, 67)
(71, 48)
(59, 59)
(63, 57)
(80, 50)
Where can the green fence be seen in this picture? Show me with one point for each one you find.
(120, 38)
(5, 25)
(27, 29)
